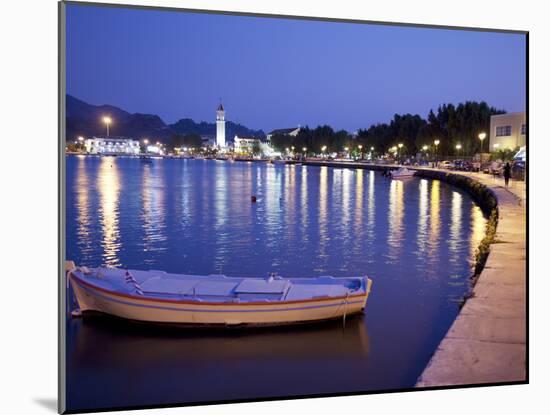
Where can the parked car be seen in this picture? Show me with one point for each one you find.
(446, 164)
(495, 168)
(518, 170)
(463, 165)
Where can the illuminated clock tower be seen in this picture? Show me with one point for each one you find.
(220, 127)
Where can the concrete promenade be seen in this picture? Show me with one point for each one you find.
(487, 341)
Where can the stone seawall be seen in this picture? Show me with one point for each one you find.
(487, 342)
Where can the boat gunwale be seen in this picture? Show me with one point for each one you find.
(215, 303)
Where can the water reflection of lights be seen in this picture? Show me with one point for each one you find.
(478, 223)
(323, 210)
(359, 197)
(108, 183)
(422, 232)
(153, 211)
(83, 205)
(273, 203)
(347, 176)
(304, 204)
(435, 217)
(456, 226)
(395, 218)
(371, 207)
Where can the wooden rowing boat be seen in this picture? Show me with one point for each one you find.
(157, 296)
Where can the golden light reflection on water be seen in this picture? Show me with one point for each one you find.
(153, 210)
(371, 207)
(82, 204)
(435, 216)
(456, 226)
(396, 212)
(423, 215)
(323, 209)
(346, 179)
(359, 197)
(108, 183)
(304, 203)
(478, 223)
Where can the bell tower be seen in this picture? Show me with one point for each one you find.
(220, 126)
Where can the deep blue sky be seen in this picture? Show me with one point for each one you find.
(275, 73)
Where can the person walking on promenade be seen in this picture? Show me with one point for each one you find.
(507, 173)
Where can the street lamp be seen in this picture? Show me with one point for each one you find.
(346, 149)
(481, 138)
(360, 147)
(458, 147)
(107, 121)
(400, 145)
(425, 148)
(436, 143)
(323, 149)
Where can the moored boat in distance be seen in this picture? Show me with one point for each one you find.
(402, 173)
(160, 297)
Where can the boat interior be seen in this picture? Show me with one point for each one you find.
(219, 288)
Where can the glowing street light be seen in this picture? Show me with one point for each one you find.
(145, 141)
(80, 138)
(458, 147)
(482, 136)
(425, 148)
(107, 121)
(436, 143)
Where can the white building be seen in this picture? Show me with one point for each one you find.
(507, 131)
(111, 145)
(245, 145)
(220, 127)
(284, 131)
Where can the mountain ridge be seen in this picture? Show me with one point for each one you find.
(84, 119)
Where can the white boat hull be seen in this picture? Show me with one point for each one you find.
(134, 307)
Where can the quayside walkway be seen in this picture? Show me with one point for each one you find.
(487, 341)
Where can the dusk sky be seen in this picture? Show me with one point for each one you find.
(277, 73)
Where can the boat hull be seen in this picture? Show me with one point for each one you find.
(92, 298)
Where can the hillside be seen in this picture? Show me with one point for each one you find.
(84, 119)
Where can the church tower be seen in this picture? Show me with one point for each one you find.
(220, 127)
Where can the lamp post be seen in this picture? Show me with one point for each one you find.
(400, 146)
(360, 147)
(436, 143)
(304, 149)
(323, 149)
(482, 136)
(425, 148)
(107, 121)
(458, 147)
(346, 149)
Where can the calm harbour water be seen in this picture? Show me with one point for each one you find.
(415, 238)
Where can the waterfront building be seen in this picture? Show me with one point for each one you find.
(245, 145)
(220, 127)
(112, 145)
(284, 131)
(508, 131)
